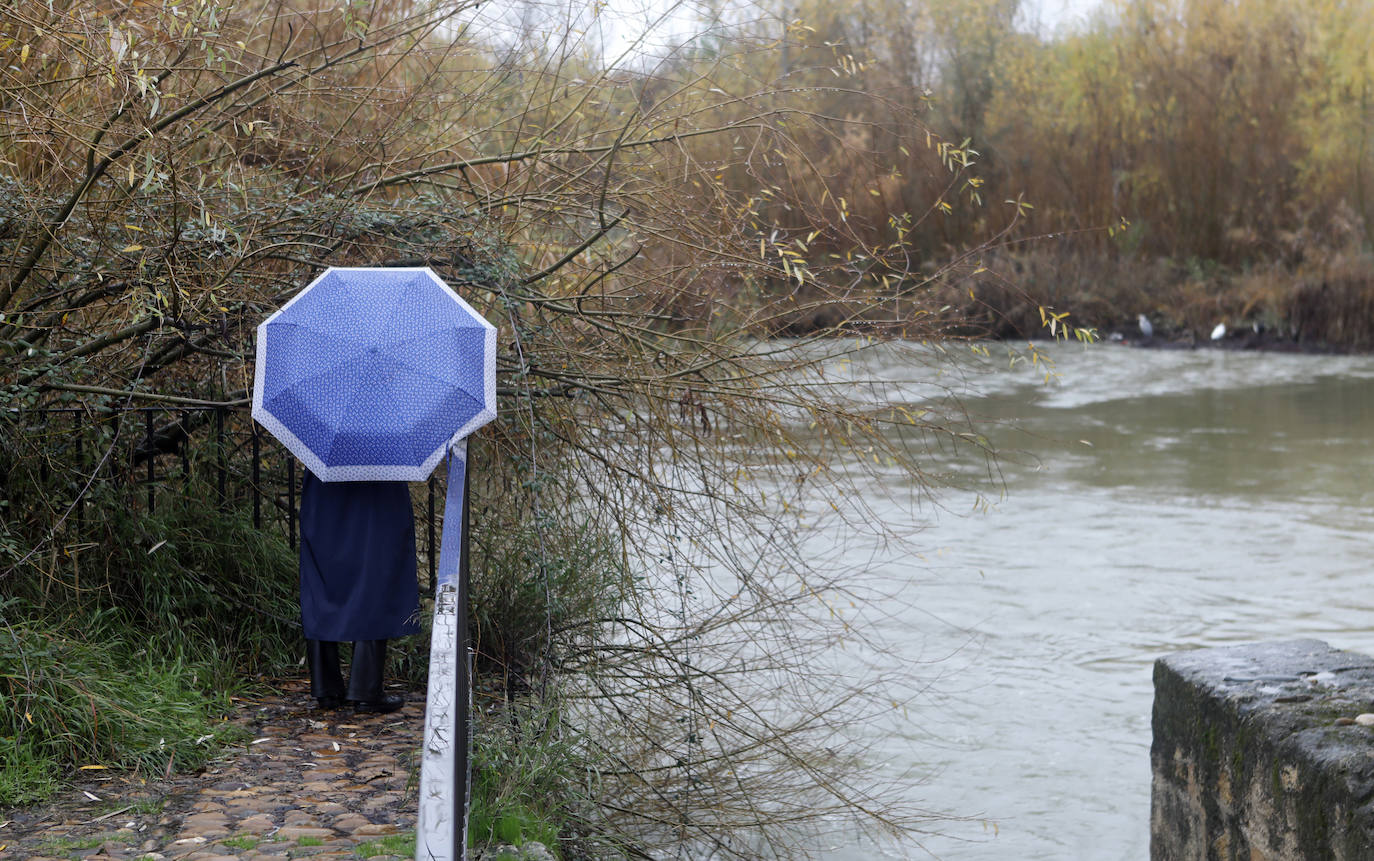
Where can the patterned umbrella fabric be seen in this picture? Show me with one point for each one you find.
(371, 374)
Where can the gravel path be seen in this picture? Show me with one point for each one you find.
(310, 784)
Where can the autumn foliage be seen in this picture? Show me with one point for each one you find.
(641, 226)
(171, 172)
(1192, 159)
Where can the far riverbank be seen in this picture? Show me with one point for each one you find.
(1317, 304)
(1321, 303)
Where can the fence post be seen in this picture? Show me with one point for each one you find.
(80, 501)
(148, 448)
(291, 502)
(257, 477)
(433, 582)
(185, 448)
(220, 465)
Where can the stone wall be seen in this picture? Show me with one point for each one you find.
(1261, 753)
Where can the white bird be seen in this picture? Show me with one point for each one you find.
(1219, 332)
(1145, 328)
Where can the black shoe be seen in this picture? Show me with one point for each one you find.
(386, 705)
(329, 703)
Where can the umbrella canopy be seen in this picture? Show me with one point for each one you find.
(371, 374)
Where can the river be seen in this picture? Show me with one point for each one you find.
(1150, 501)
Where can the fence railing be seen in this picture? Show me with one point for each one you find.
(164, 449)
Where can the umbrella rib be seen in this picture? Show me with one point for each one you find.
(324, 372)
(330, 369)
(411, 339)
(353, 400)
(448, 384)
(442, 327)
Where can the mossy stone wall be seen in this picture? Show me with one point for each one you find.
(1258, 754)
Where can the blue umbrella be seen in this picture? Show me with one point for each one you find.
(373, 375)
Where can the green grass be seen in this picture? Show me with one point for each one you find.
(243, 841)
(77, 694)
(125, 656)
(148, 806)
(522, 785)
(68, 844)
(307, 840)
(531, 598)
(393, 844)
(26, 775)
(65, 844)
(513, 824)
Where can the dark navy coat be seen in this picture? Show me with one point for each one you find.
(357, 560)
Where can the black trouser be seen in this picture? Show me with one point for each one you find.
(364, 677)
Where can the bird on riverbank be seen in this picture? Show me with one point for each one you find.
(1147, 331)
(1219, 332)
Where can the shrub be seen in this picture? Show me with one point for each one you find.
(80, 692)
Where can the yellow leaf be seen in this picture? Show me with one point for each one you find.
(24, 55)
(93, 767)
(130, 249)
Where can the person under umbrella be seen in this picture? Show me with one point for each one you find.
(358, 585)
(374, 375)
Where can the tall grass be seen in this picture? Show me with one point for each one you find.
(193, 576)
(525, 785)
(544, 582)
(85, 692)
(120, 650)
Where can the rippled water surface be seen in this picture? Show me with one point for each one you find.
(1161, 500)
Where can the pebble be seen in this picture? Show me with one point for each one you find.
(350, 822)
(259, 823)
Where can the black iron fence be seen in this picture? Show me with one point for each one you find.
(161, 450)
